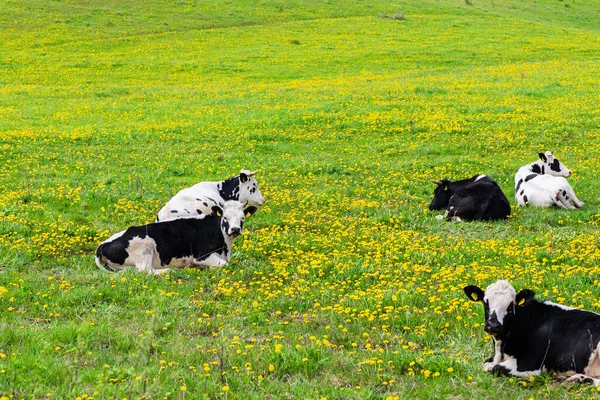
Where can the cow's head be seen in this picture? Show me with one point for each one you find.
(232, 217)
(441, 195)
(249, 191)
(553, 166)
(499, 301)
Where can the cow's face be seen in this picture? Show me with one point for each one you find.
(249, 191)
(500, 301)
(232, 217)
(553, 166)
(441, 195)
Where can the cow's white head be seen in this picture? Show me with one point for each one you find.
(232, 216)
(249, 191)
(499, 301)
(552, 166)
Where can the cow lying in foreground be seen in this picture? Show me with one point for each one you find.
(531, 337)
(200, 198)
(543, 184)
(204, 241)
(477, 198)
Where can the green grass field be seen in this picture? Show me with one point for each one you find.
(344, 285)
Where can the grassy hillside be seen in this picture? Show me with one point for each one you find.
(343, 285)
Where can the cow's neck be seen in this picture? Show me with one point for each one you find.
(230, 189)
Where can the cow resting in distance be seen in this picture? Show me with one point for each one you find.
(203, 241)
(199, 199)
(543, 184)
(476, 198)
(531, 337)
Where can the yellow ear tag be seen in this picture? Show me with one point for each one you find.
(219, 213)
(474, 296)
(521, 302)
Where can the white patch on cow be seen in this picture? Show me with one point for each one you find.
(561, 306)
(212, 261)
(498, 356)
(142, 253)
(499, 296)
(480, 177)
(510, 363)
(593, 367)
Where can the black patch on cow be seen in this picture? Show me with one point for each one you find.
(530, 177)
(230, 189)
(174, 211)
(536, 169)
(500, 370)
(518, 185)
(186, 210)
(543, 169)
(525, 200)
(199, 211)
(564, 192)
(225, 225)
(555, 166)
(205, 204)
(522, 192)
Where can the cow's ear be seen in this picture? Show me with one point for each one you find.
(543, 157)
(243, 177)
(249, 211)
(218, 211)
(474, 293)
(524, 297)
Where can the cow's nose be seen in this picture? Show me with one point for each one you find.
(235, 231)
(492, 326)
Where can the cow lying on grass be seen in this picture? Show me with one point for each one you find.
(203, 241)
(543, 184)
(200, 198)
(477, 198)
(531, 337)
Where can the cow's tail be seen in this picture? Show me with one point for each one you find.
(100, 260)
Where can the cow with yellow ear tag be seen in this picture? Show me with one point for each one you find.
(531, 337)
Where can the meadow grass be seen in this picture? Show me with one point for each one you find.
(343, 285)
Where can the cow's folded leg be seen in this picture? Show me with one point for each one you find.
(212, 261)
(581, 378)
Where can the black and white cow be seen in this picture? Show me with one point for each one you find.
(203, 241)
(543, 184)
(477, 198)
(200, 198)
(531, 337)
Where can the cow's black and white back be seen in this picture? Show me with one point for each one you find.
(200, 198)
(476, 198)
(531, 337)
